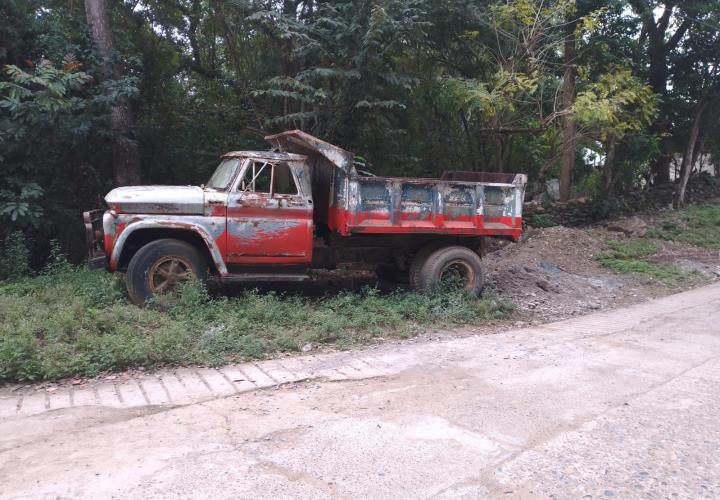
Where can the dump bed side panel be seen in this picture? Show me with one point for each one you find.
(459, 203)
(399, 205)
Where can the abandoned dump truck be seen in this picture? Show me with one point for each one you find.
(273, 216)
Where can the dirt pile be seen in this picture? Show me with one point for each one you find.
(552, 274)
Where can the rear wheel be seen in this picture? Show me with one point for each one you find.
(160, 266)
(454, 266)
(418, 261)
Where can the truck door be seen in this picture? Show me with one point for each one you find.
(269, 219)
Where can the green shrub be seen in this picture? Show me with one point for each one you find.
(541, 220)
(14, 256)
(601, 207)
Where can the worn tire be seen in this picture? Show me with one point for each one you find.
(418, 261)
(148, 260)
(457, 259)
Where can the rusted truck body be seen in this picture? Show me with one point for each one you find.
(272, 216)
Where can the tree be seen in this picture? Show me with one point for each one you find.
(350, 87)
(610, 110)
(660, 46)
(125, 153)
(689, 156)
(568, 126)
(696, 81)
(37, 109)
(530, 66)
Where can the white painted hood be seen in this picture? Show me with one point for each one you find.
(157, 199)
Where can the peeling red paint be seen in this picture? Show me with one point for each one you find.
(260, 234)
(380, 223)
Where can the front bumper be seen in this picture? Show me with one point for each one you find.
(94, 239)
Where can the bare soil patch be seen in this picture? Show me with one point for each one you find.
(552, 273)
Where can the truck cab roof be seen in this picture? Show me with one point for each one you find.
(265, 155)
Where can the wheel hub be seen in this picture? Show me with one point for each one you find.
(167, 272)
(460, 272)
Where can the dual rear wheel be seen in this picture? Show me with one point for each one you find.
(437, 266)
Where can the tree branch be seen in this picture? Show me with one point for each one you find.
(677, 36)
(555, 114)
(664, 20)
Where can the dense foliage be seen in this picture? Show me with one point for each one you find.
(612, 94)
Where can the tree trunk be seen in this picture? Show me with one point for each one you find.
(657, 78)
(686, 166)
(568, 127)
(544, 169)
(126, 156)
(499, 148)
(661, 166)
(471, 147)
(699, 149)
(609, 166)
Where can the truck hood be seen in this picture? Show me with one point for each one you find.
(156, 199)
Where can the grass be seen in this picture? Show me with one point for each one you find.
(628, 250)
(699, 226)
(75, 322)
(627, 257)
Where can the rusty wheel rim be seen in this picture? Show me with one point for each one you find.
(167, 272)
(460, 273)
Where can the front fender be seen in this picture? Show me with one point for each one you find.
(169, 223)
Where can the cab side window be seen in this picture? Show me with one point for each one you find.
(261, 176)
(257, 178)
(283, 180)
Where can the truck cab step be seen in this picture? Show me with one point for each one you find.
(254, 277)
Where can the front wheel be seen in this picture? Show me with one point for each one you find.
(160, 266)
(452, 266)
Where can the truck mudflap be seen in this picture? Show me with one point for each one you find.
(94, 236)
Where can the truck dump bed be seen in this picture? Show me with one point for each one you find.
(405, 205)
(459, 203)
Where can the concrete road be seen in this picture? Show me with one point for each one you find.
(619, 404)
